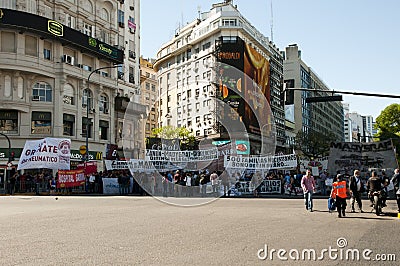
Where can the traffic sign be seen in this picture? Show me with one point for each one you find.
(9, 164)
(82, 149)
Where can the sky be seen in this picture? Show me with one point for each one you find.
(351, 45)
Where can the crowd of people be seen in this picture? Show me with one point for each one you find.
(179, 183)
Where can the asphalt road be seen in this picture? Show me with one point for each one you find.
(144, 231)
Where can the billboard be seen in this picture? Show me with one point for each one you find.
(243, 73)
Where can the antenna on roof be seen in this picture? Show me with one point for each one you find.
(272, 23)
(199, 10)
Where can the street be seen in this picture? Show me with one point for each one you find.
(119, 230)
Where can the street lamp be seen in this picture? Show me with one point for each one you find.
(87, 108)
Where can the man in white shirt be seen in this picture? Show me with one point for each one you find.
(214, 181)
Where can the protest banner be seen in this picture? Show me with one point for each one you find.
(265, 162)
(345, 157)
(51, 153)
(70, 178)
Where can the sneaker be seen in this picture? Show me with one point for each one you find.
(353, 211)
(311, 210)
(343, 214)
(361, 211)
(339, 215)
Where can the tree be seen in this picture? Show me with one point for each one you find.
(188, 141)
(388, 126)
(314, 144)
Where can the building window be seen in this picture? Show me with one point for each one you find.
(88, 29)
(42, 92)
(11, 4)
(31, 46)
(68, 97)
(87, 126)
(103, 129)
(46, 54)
(41, 123)
(120, 72)
(87, 98)
(153, 87)
(121, 18)
(68, 124)
(131, 75)
(70, 21)
(8, 121)
(103, 104)
(8, 42)
(104, 14)
(147, 86)
(229, 22)
(206, 46)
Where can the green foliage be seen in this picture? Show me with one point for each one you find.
(188, 141)
(389, 120)
(314, 144)
(388, 126)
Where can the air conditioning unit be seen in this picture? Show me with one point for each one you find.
(68, 59)
(35, 98)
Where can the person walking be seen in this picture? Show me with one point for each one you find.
(322, 184)
(396, 183)
(214, 182)
(356, 189)
(308, 186)
(339, 193)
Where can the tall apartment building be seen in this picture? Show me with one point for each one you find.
(189, 74)
(322, 117)
(149, 96)
(347, 123)
(58, 73)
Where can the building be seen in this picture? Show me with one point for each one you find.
(69, 70)
(321, 117)
(149, 96)
(192, 86)
(348, 137)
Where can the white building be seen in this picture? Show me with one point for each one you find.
(187, 75)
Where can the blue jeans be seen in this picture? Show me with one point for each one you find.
(308, 200)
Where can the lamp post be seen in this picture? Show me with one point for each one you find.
(87, 109)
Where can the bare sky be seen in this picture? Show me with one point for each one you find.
(351, 45)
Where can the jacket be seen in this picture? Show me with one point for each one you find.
(339, 189)
(353, 184)
(374, 184)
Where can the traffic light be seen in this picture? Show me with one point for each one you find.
(289, 97)
(11, 157)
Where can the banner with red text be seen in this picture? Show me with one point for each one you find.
(51, 153)
(70, 178)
